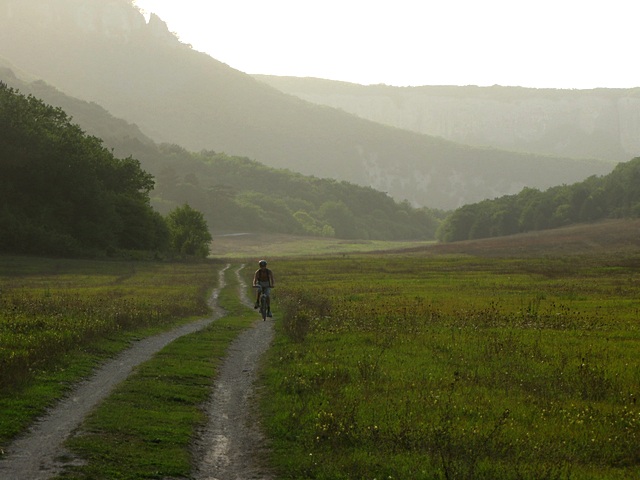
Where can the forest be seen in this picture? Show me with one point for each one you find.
(240, 194)
(64, 192)
(616, 195)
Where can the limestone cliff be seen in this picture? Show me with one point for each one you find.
(601, 123)
(115, 20)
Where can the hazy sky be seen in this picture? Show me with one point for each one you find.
(531, 43)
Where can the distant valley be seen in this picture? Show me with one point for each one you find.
(105, 52)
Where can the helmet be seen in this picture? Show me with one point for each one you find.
(262, 263)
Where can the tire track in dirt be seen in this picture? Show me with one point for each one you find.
(39, 454)
(232, 447)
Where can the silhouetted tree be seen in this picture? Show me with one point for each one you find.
(189, 233)
(62, 191)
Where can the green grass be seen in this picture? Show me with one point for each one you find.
(404, 366)
(418, 366)
(60, 318)
(144, 429)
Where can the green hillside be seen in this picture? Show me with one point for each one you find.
(616, 195)
(233, 193)
(239, 194)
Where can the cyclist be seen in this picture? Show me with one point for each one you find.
(263, 278)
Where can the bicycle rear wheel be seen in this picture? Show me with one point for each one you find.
(263, 306)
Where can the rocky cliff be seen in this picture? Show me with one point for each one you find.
(600, 123)
(103, 51)
(112, 19)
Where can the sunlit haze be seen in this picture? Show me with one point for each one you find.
(541, 43)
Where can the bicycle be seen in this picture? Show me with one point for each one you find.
(263, 303)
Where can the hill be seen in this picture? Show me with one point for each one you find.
(615, 195)
(93, 118)
(599, 123)
(238, 194)
(615, 237)
(105, 52)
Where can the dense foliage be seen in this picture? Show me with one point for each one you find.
(616, 195)
(190, 234)
(238, 194)
(63, 193)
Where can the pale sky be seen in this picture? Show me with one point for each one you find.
(530, 43)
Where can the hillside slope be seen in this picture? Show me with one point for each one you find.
(105, 52)
(600, 123)
(233, 192)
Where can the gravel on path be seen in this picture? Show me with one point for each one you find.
(232, 445)
(227, 448)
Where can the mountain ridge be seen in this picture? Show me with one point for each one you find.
(234, 192)
(596, 123)
(174, 94)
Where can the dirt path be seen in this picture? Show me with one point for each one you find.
(229, 445)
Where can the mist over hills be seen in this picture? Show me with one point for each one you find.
(91, 117)
(104, 52)
(233, 193)
(599, 123)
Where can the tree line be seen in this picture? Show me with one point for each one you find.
(616, 195)
(63, 193)
(240, 194)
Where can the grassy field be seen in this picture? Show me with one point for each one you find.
(162, 404)
(606, 236)
(503, 364)
(501, 359)
(61, 318)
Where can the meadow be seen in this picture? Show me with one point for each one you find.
(162, 402)
(60, 318)
(469, 361)
(454, 366)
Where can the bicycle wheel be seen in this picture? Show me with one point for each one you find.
(263, 306)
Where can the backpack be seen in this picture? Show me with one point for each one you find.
(263, 275)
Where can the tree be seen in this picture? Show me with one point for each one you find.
(313, 225)
(63, 192)
(338, 215)
(188, 231)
